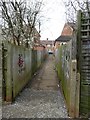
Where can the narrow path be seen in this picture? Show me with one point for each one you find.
(42, 98)
(47, 77)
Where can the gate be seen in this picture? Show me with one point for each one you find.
(83, 60)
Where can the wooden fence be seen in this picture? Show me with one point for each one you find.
(19, 65)
(83, 61)
(73, 66)
(66, 66)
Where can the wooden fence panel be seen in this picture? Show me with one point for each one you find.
(66, 66)
(83, 56)
(19, 65)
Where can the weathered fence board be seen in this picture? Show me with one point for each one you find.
(83, 55)
(66, 66)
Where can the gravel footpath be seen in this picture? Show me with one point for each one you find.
(42, 98)
(36, 104)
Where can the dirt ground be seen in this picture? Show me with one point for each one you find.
(46, 78)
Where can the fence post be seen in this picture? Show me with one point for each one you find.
(77, 95)
(0, 75)
(0, 66)
(83, 58)
(9, 82)
(73, 88)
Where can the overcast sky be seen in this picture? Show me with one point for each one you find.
(54, 19)
(54, 12)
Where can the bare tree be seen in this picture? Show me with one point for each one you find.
(72, 6)
(33, 17)
(19, 20)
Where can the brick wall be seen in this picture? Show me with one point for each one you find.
(67, 30)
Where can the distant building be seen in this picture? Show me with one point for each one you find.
(49, 44)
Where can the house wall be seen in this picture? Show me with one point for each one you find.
(67, 30)
(58, 44)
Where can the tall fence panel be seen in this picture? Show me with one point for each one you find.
(21, 65)
(66, 65)
(83, 57)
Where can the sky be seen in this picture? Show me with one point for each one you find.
(54, 13)
(54, 19)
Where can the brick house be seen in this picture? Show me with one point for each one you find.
(66, 35)
(68, 29)
(61, 41)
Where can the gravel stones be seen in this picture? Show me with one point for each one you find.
(37, 104)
